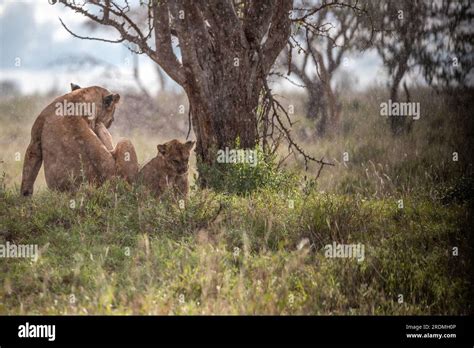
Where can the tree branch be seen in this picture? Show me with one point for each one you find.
(278, 33)
(163, 55)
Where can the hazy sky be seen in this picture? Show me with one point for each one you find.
(32, 37)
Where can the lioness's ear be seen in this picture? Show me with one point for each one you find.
(74, 87)
(162, 149)
(189, 144)
(111, 99)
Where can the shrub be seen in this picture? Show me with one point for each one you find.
(243, 178)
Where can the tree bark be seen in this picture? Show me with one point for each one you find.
(334, 111)
(397, 123)
(223, 113)
(317, 107)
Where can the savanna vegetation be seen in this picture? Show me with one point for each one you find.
(278, 78)
(255, 244)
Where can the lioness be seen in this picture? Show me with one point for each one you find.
(169, 169)
(97, 124)
(76, 146)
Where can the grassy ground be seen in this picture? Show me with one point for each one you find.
(121, 251)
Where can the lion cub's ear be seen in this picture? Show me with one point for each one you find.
(189, 145)
(111, 99)
(74, 87)
(162, 148)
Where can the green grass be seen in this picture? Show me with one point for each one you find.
(125, 252)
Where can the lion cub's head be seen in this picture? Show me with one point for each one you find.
(176, 155)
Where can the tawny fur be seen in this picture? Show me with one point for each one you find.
(74, 148)
(169, 169)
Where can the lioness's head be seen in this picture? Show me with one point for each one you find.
(176, 155)
(108, 109)
(106, 102)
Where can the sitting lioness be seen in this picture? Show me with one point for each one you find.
(169, 169)
(74, 143)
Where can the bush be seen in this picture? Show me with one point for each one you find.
(244, 178)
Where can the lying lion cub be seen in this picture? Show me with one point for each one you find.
(169, 169)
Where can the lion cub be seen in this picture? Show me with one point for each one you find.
(169, 169)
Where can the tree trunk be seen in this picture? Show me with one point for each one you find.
(224, 70)
(317, 107)
(220, 120)
(397, 123)
(223, 109)
(315, 102)
(333, 108)
(321, 126)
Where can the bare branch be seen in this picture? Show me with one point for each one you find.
(89, 37)
(275, 106)
(163, 55)
(166, 57)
